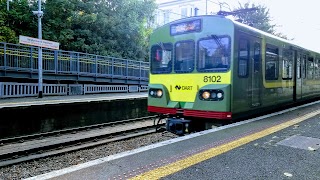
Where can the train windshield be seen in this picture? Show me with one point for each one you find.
(214, 54)
(161, 58)
(184, 57)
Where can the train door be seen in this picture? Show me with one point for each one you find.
(249, 68)
(297, 93)
(255, 71)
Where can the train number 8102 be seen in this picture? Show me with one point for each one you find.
(212, 79)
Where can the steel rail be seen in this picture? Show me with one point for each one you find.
(23, 138)
(35, 150)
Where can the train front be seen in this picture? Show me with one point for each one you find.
(190, 72)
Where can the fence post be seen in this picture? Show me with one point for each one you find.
(31, 58)
(1, 89)
(127, 69)
(55, 57)
(96, 68)
(140, 73)
(85, 88)
(112, 67)
(78, 63)
(5, 55)
(71, 54)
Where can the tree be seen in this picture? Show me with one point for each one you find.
(6, 33)
(106, 27)
(257, 16)
(57, 22)
(19, 20)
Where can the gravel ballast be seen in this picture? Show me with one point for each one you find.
(45, 165)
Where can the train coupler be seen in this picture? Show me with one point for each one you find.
(178, 126)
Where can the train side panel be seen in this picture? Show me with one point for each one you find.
(263, 72)
(256, 72)
(311, 83)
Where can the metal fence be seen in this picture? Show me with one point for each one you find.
(25, 58)
(10, 89)
(91, 88)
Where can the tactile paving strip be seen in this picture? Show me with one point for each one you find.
(301, 142)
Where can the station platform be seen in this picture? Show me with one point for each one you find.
(51, 100)
(282, 145)
(30, 115)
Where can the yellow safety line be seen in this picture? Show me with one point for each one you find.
(197, 158)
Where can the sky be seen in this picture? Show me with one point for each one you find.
(297, 19)
(294, 18)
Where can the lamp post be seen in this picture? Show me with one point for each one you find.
(8, 5)
(206, 7)
(39, 13)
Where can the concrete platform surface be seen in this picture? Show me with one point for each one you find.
(282, 145)
(34, 101)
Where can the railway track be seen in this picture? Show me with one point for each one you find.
(25, 148)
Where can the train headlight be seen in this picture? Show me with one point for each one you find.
(155, 93)
(205, 95)
(211, 94)
(151, 93)
(159, 93)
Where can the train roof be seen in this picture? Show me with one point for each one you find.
(269, 35)
(241, 25)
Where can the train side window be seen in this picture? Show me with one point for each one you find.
(287, 61)
(257, 57)
(299, 66)
(303, 66)
(310, 67)
(184, 56)
(317, 68)
(244, 50)
(272, 63)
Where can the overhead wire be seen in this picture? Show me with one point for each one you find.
(223, 4)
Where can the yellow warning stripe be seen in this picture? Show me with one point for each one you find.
(197, 158)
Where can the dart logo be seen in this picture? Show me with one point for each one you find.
(187, 88)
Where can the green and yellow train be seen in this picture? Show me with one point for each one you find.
(206, 68)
